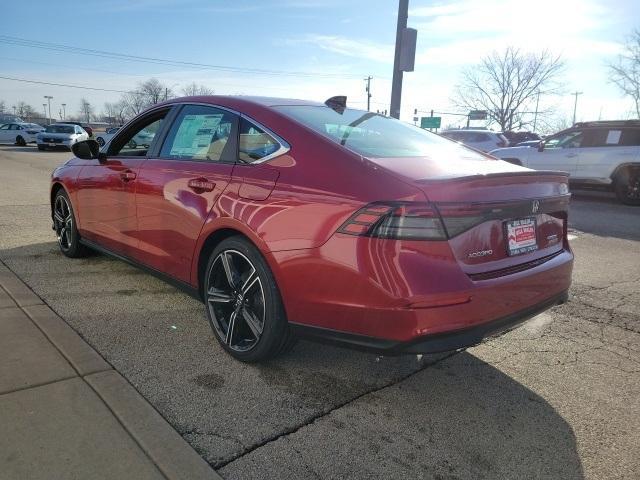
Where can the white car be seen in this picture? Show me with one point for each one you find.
(61, 135)
(595, 154)
(142, 138)
(19, 133)
(479, 139)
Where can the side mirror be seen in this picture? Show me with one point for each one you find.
(87, 150)
(541, 146)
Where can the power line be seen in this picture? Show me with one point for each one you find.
(83, 87)
(22, 42)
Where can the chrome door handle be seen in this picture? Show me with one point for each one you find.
(200, 185)
(128, 175)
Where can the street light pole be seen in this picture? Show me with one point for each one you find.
(49, 98)
(64, 111)
(396, 83)
(575, 105)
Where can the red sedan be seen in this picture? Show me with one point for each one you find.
(291, 218)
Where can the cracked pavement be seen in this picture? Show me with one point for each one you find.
(556, 398)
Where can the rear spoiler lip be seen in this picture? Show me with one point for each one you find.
(479, 176)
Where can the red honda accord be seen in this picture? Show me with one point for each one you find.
(292, 218)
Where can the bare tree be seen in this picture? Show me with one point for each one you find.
(86, 110)
(508, 84)
(2, 106)
(625, 73)
(135, 103)
(154, 92)
(194, 89)
(25, 111)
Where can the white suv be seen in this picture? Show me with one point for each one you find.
(484, 140)
(600, 154)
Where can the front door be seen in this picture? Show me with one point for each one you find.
(180, 186)
(561, 152)
(107, 190)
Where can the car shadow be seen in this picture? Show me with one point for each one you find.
(6, 147)
(600, 213)
(405, 416)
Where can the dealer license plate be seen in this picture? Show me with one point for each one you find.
(521, 236)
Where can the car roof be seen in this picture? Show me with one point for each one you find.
(63, 124)
(228, 100)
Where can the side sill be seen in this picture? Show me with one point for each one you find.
(185, 287)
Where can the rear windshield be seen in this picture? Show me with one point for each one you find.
(59, 129)
(366, 133)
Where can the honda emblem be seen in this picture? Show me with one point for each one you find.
(535, 206)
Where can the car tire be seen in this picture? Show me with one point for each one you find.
(41, 147)
(100, 141)
(65, 226)
(20, 141)
(243, 303)
(627, 186)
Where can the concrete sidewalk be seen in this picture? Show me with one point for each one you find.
(66, 413)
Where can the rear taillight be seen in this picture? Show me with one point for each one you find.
(396, 220)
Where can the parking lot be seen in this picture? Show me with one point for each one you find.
(557, 398)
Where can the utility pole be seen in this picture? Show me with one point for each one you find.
(535, 115)
(575, 105)
(403, 59)
(49, 98)
(368, 90)
(64, 111)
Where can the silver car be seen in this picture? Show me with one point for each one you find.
(61, 135)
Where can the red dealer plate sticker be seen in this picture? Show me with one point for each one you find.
(521, 236)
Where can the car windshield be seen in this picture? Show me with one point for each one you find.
(367, 133)
(59, 129)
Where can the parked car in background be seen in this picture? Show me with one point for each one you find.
(19, 133)
(484, 140)
(241, 200)
(603, 154)
(142, 139)
(84, 126)
(61, 135)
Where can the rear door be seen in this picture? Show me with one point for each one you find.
(179, 186)
(561, 153)
(6, 134)
(604, 149)
(106, 195)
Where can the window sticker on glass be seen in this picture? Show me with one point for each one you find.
(613, 137)
(195, 135)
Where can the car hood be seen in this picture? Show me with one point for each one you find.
(445, 162)
(56, 135)
(510, 151)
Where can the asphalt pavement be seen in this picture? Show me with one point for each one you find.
(556, 398)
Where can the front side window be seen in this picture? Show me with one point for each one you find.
(4, 127)
(254, 143)
(201, 133)
(565, 140)
(136, 140)
(367, 133)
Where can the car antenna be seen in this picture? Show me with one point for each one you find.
(337, 103)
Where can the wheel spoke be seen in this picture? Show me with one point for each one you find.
(58, 217)
(68, 237)
(218, 296)
(252, 321)
(250, 282)
(227, 269)
(231, 327)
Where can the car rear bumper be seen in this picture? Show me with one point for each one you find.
(441, 342)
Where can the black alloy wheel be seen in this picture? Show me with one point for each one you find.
(243, 303)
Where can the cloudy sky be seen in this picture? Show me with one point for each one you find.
(324, 48)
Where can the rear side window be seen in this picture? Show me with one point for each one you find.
(366, 133)
(630, 137)
(254, 143)
(201, 133)
(612, 137)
